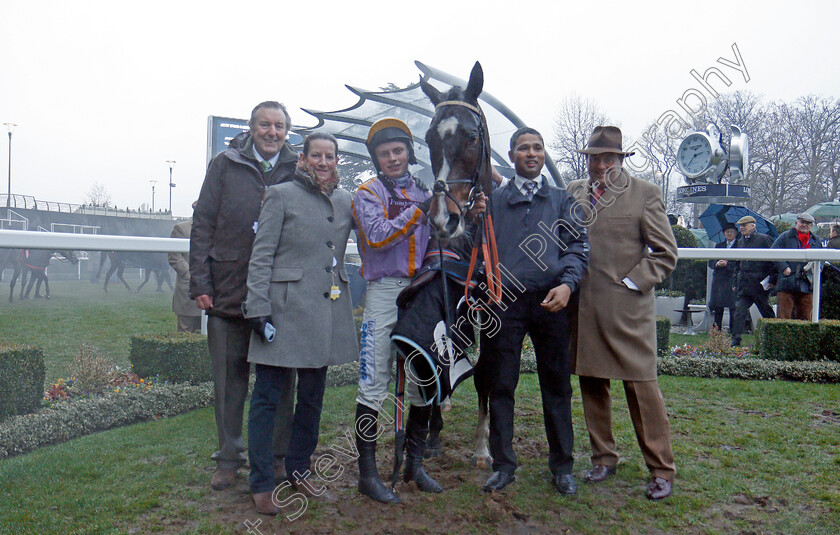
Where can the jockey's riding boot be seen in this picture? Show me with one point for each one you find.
(416, 430)
(433, 447)
(369, 483)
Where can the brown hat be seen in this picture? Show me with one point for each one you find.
(605, 139)
(746, 219)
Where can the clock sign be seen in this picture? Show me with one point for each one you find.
(700, 156)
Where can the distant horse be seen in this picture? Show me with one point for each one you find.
(437, 312)
(156, 263)
(34, 263)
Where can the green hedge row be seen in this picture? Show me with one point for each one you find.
(797, 340)
(750, 369)
(22, 374)
(66, 421)
(179, 357)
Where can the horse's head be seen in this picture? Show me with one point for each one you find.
(459, 146)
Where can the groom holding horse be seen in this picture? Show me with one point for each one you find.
(544, 250)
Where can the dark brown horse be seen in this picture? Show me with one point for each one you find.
(33, 263)
(433, 331)
(459, 146)
(156, 263)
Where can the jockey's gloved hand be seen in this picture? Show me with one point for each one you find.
(426, 205)
(263, 327)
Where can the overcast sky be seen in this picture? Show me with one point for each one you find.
(107, 93)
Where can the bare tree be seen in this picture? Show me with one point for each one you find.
(814, 123)
(660, 151)
(98, 196)
(573, 124)
(776, 186)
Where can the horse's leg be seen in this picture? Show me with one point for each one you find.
(120, 271)
(29, 286)
(146, 275)
(111, 269)
(46, 286)
(38, 277)
(481, 455)
(433, 447)
(159, 280)
(102, 257)
(15, 276)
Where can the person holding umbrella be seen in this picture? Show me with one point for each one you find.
(723, 281)
(751, 279)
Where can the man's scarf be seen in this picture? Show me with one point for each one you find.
(804, 239)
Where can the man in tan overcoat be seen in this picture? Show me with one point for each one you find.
(188, 314)
(632, 248)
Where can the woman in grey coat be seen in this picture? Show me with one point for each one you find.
(297, 285)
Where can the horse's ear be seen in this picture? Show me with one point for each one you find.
(476, 83)
(434, 95)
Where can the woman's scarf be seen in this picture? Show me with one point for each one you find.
(306, 175)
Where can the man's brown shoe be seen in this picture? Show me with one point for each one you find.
(598, 473)
(264, 504)
(223, 478)
(658, 488)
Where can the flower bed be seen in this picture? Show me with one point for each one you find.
(124, 404)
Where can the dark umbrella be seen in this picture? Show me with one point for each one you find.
(717, 215)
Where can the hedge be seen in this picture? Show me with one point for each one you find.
(830, 340)
(179, 357)
(22, 374)
(663, 335)
(750, 369)
(797, 340)
(66, 421)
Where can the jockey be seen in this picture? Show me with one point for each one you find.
(390, 215)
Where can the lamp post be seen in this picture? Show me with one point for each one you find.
(171, 184)
(11, 128)
(153, 182)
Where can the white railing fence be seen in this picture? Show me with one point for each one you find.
(18, 239)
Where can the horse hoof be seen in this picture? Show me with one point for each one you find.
(48, 297)
(485, 462)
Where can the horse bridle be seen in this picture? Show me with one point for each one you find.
(475, 187)
(487, 242)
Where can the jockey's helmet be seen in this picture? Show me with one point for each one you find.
(389, 129)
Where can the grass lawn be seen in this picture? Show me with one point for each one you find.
(752, 457)
(81, 312)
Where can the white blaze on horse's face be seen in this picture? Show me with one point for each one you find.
(447, 126)
(443, 220)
